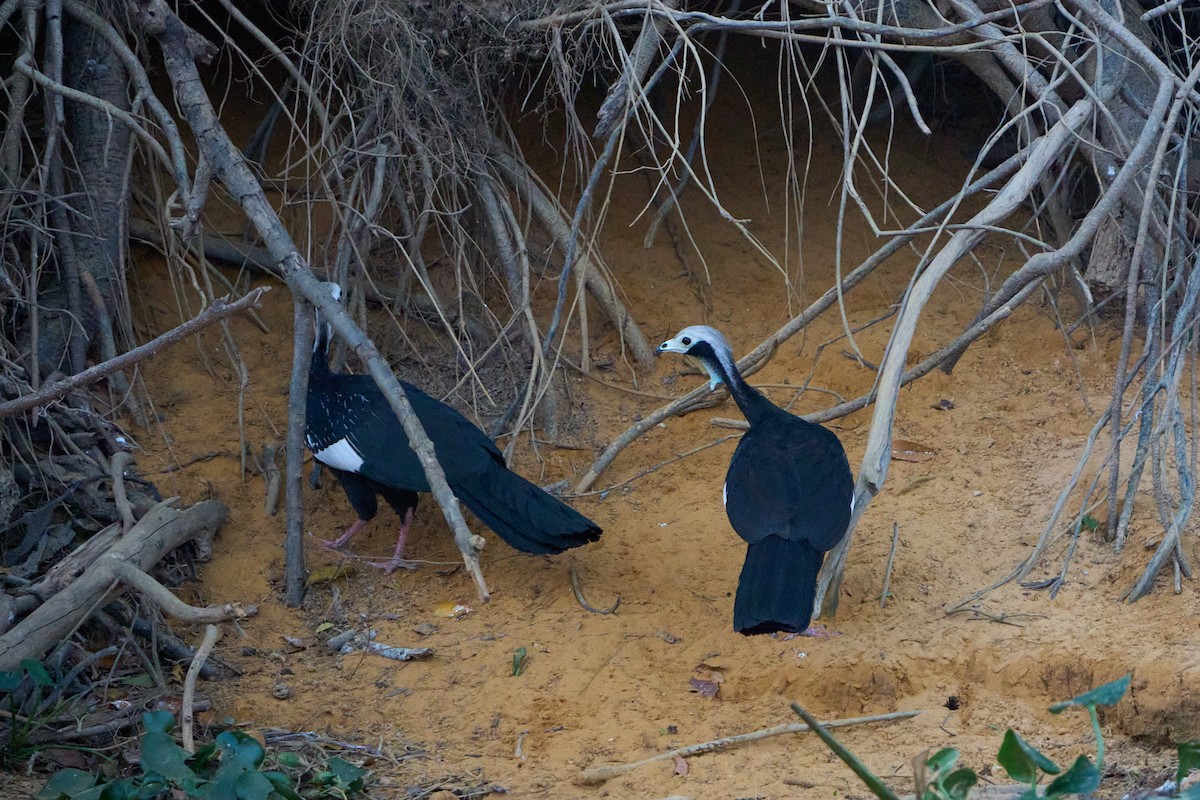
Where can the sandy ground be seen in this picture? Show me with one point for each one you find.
(599, 690)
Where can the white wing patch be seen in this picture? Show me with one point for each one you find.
(340, 455)
(725, 494)
(851, 502)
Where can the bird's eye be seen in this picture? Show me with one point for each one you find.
(687, 340)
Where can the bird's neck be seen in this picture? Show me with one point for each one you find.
(320, 357)
(753, 404)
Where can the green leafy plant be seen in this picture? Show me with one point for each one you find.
(29, 695)
(941, 780)
(229, 768)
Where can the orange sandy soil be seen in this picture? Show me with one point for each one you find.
(609, 689)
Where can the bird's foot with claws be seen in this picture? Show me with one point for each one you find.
(815, 631)
(340, 543)
(389, 567)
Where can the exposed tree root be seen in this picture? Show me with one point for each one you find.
(125, 561)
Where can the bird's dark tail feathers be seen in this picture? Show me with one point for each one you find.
(776, 588)
(523, 515)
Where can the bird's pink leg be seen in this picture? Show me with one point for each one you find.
(340, 542)
(397, 561)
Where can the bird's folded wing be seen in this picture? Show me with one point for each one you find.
(794, 487)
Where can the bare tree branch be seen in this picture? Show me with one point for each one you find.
(219, 310)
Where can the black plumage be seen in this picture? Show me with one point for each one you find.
(352, 429)
(789, 493)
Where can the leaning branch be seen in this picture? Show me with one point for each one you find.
(759, 355)
(182, 47)
(219, 310)
(877, 457)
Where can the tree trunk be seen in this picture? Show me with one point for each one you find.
(96, 165)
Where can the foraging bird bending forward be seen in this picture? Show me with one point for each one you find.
(788, 493)
(352, 429)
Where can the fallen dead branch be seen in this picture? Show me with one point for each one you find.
(71, 598)
(597, 775)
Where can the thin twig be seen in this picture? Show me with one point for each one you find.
(660, 465)
(598, 775)
(887, 573)
(219, 310)
(577, 589)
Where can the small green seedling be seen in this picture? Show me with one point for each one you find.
(1107, 695)
(520, 656)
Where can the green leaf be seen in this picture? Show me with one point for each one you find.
(37, 672)
(213, 790)
(124, 789)
(253, 786)
(203, 756)
(958, 783)
(10, 679)
(241, 748)
(1081, 777)
(283, 785)
(1107, 695)
(67, 783)
(1022, 760)
(349, 775)
(942, 760)
(160, 754)
(289, 759)
(158, 721)
(152, 786)
(1189, 759)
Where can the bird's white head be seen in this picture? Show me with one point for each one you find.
(708, 346)
(333, 288)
